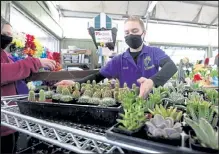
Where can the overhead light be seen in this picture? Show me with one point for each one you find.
(152, 5)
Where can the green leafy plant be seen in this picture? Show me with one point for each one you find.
(214, 73)
(202, 109)
(107, 99)
(212, 96)
(164, 127)
(42, 97)
(176, 99)
(133, 117)
(205, 133)
(31, 96)
(171, 112)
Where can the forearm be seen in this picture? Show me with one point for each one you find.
(11, 72)
(97, 77)
(167, 71)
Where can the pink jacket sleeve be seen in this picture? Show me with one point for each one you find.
(11, 72)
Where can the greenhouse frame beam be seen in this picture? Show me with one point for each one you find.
(198, 16)
(199, 3)
(213, 21)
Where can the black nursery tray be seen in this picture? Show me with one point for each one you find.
(83, 114)
(144, 142)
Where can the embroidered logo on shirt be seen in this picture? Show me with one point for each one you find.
(148, 63)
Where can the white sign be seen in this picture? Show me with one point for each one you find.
(103, 36)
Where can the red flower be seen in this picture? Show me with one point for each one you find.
(197, 77)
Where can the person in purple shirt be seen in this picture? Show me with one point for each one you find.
(139, 64)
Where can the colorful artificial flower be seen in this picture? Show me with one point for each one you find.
(197, 77)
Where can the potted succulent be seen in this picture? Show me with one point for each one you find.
(133, 118)
(170, 112)
(66, 95)
(204, 138)
(164, 130)
(212, 96)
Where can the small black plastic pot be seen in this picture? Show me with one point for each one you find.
(195, 145)
(136, 133)
(55, 101)
(174, 142)
(187, 129)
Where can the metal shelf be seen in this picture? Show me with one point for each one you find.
(73, 137)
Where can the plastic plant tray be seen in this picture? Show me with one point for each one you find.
(83, 114)
(111, 135)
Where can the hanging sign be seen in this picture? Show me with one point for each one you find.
(103, 36)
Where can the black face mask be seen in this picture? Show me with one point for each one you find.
(5, 41)
(134, 41)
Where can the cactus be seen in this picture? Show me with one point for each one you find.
(31, 96)
(76, 94)
(171, 112)
(107, 93)
(70, 88)
(42, 97)
(88, 93)
(65, 91)
(164, 127)
(84, 99)
(88, 81)
(97, 94)
(83, 89)
(56, 97)
(205, 133)
(77, 86)
(94, 100)
(125, 85)
(59, 89)
(94, 82)
(49, 94)
(107, 101)
(65, 98)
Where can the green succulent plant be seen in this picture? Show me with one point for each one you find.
(94, 100)
(42, 97)
(170, 112)
(88, 81)
(212, 96)
(77, 85)
(31, 96)
(97, 94)
(176, 99)
(202, 109)
(107, 93)
(88, 93)
(164, 127)
(205, 133)
(133, 118)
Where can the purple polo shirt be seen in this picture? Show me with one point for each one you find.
(126, 70)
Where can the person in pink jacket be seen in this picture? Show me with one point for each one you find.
(11, 72)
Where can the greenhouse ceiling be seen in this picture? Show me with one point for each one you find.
(199, 13)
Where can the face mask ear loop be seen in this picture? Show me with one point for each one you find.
(143, 37)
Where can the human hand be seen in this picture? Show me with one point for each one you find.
(146, 86)
(47, 63)
(65, 83)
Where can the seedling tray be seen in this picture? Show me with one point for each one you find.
(146, 143)
(83, 114)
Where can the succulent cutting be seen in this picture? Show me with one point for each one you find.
(164, 127)
(205, 133)
(170, 112)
